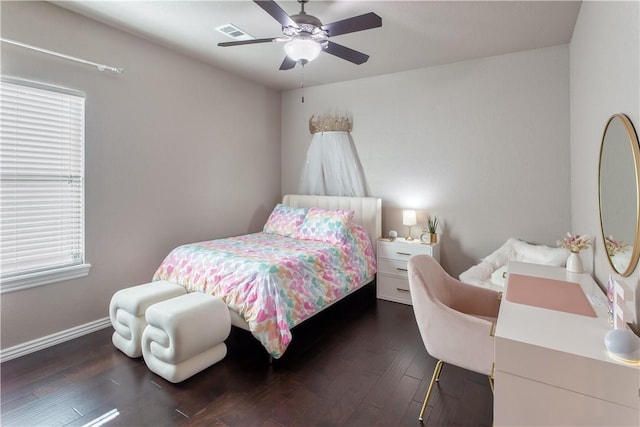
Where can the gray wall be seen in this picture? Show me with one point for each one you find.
(482, 144)
(605, 79)
(176, 152)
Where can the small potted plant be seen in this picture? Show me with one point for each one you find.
(432, 229)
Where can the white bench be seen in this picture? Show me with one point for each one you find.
(185, 335)
(127, 309)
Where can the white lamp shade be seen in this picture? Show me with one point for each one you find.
(302, 49)
(409, 217)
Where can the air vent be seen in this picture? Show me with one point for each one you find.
(234, 32)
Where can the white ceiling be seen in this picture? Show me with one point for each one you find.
(414, 34)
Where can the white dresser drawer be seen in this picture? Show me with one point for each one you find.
(393, 268)
(396, 250)
(393, 289)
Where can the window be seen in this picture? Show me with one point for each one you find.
(42, 184)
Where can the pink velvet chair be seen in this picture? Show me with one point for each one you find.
(455, 319)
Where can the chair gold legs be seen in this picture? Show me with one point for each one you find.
(434, 378)
(492, 376)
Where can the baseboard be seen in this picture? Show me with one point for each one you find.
(53, 339)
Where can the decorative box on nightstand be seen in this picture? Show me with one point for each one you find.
(392, 280)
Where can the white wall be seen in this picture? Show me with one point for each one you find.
(176, 151)
(605, 79)
(482, 144)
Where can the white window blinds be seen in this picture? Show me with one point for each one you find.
(42, 173)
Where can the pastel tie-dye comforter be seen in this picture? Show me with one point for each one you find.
(273, 282)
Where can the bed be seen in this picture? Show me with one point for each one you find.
(312, 252)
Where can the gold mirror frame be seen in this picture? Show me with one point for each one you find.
(635, 151)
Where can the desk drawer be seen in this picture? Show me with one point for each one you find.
(520, 401)
(393, 289)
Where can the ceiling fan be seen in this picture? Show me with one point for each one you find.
(306, 36)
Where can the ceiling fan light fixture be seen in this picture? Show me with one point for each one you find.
(302, 49)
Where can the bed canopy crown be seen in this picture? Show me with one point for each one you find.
(330, 123)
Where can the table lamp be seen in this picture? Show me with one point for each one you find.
(623, 345)
(409, 219)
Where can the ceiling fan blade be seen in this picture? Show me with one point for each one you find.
(253, 41)
(346, 53)
(276, 12)
(287, 63)
(351, 25)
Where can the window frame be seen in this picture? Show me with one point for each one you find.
(53, 274)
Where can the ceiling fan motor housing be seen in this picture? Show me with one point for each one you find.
(308, 27)
(302, 18)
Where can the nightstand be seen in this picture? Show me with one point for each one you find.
(392, 280)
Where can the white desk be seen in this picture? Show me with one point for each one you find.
(551, 367)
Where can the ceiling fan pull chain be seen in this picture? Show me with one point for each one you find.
(302, 81)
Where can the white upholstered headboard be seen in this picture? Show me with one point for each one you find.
(368, 210)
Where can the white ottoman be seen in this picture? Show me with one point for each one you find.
(185, 335)
(127, 308)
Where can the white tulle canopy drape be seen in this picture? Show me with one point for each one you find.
(332, 167)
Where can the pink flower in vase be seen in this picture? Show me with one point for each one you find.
(575, 243)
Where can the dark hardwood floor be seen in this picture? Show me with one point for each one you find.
(359, 363)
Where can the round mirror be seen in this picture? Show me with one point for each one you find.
(618, 194)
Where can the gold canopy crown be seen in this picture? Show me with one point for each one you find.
(329, 124)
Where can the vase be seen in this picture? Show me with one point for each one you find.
(574, 263)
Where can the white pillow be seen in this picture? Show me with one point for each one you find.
(538, 254)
